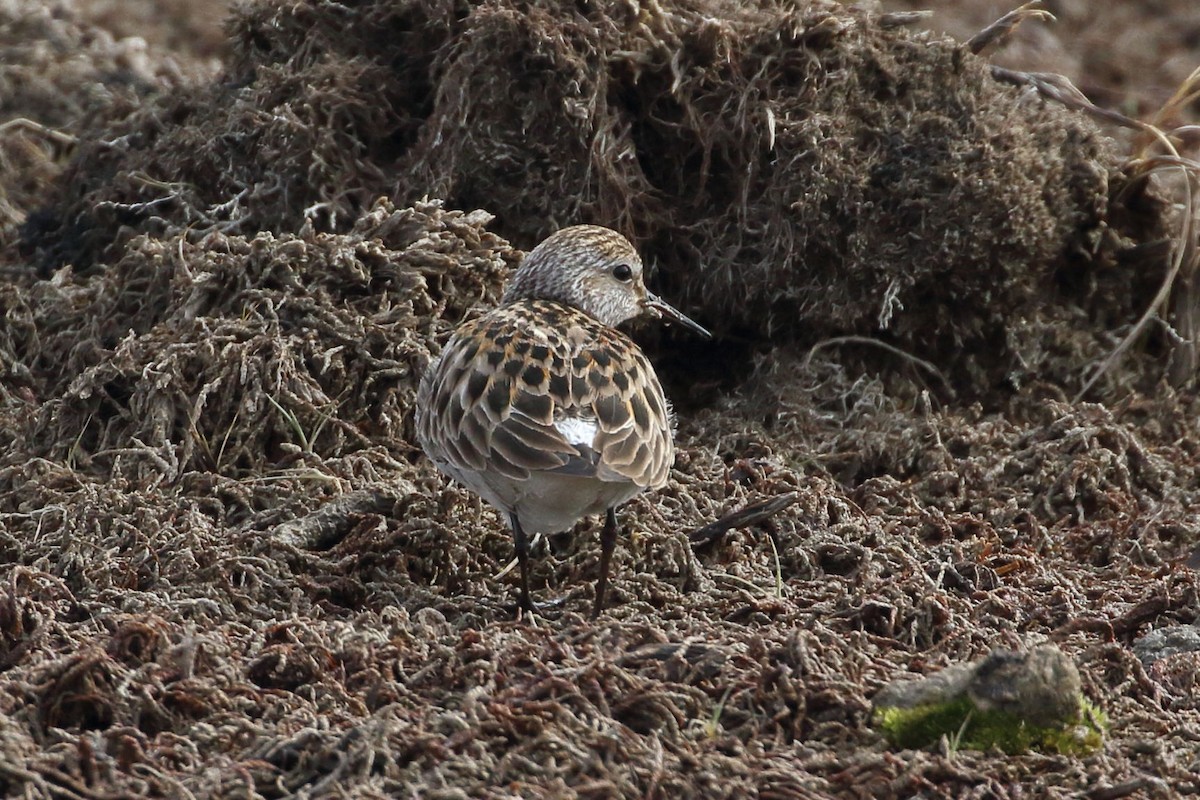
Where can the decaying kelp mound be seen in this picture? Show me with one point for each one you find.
(228, 569)
(792, 171)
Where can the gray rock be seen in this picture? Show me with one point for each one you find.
(1166, 642)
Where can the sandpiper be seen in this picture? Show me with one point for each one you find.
(542, 407)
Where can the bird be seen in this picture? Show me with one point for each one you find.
(542, 407)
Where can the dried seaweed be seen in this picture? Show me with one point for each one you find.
(57, 75)
(225, 568)
(792, 171)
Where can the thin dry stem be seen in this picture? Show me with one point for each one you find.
(995, 34)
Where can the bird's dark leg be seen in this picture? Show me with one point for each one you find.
(522, 548)
(608, 541)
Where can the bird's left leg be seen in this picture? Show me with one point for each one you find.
(521, 545)
(608, 541)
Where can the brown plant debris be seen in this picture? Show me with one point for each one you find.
(793, 170)
(57, 76)
(226, 569)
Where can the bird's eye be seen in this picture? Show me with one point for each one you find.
(623, 273)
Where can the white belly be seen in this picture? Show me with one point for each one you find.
(547, 502)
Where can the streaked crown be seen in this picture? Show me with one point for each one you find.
(591, 268)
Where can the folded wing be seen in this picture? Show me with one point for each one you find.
(528, 388)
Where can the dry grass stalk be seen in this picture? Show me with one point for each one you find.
(995, 34)
(1177, 288)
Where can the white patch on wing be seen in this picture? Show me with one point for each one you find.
(577, 430)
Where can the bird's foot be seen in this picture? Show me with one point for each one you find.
(550, 609)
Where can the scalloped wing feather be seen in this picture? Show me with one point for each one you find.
(499, 395)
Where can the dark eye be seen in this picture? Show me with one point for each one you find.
(623, 273)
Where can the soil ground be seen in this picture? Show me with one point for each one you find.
(229, 248)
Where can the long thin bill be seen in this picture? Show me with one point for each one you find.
(668, 311)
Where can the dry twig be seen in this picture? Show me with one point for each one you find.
(1001, 29)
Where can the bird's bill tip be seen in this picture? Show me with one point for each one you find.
(660, 308)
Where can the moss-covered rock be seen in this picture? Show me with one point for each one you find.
(1014, 701)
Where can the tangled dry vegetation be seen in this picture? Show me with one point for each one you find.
(225, 569)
